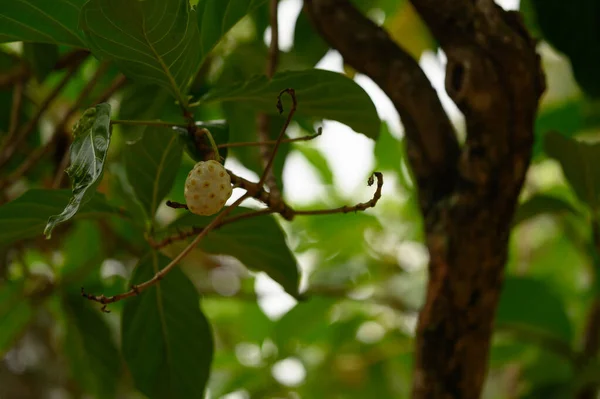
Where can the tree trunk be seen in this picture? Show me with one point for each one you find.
(467, 193)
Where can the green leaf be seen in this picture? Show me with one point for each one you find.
(26, 216)
(167, 341)
(579, 162)
(320, 94)
(216, 17)
(388, 152)
(199, 147)
(531, 304)
(41, 58)
(154, 41)
(258, 242)
(88, 154)
(318, 160)
(44, 21)
(93, 356)
(572, 28)
(15, 314)
(543, 204)
(152, 165)
(141, 102)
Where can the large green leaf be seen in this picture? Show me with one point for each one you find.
(154, 41)
(542, 204)
(152, 165)
(15, 314)
(88, 154)
(532, 305)
(141, 102)
(93, 355)
(579, 162)
(41, 58)
(167, 341)
(572, 28)
(216, 17)
(258, 242)
(44, 21)
(320, 94)
(26, 216)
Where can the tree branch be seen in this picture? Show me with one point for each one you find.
(467, 196)
(430, 139)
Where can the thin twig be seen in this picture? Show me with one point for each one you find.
(136, 289)
(15, 112)
(196, 230)
(358, 207)
(263, 120)
(22, 72)
(147, 123)
(270, 142)
(10, 148)
(116, 84)
(292, 94)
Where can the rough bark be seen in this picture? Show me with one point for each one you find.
(467, 195)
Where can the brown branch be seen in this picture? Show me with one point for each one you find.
(15, 113)
(358, 207)
(431, 143)
(269, 164)
(115, 85)
(136, 289)
(271, 142)
(25, 131)
(467, 196)
(263, 120)
(22, 73)
(182, 235)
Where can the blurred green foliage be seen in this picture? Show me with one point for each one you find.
(215, 322)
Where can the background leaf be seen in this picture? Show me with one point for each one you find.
(44, 21)
(152, 165)
(216, 17)
(154, 41)
(26, 216)
(532, 304)
(542, 204)
(320, 94)
(16, 313)
(88, 154)
(41, 57)
(93, 356)
(259, 243)
(167, 341)
(578, 161)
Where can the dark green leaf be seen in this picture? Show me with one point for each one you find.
(542, 204)
(167, 341)
(579, 162)
(320, 94)
(572, 28)
(305, 322)
(41, 58)
(154, 41)
(44, 21)
(309, 46)
(216, 17)
(141, 102)
(198, 146)
(26, 216)
(88, 154)
(82, 249)
(15, 314)
(531, 304)
(258, 242)
(93, 356)
(152, 165)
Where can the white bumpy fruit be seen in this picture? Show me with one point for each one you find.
(207, 187)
